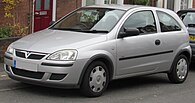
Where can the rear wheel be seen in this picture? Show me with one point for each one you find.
(95, 80)
(179, 70)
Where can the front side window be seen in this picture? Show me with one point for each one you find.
(90, 20)
(167, 22)
(143, 21)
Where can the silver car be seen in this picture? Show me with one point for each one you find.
(94, 45)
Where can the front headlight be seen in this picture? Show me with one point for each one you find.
(10, 50)
(67, 55)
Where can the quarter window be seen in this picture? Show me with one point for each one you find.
(167, 22)
(143, 21)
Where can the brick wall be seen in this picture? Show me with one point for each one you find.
(22, 14)
(66, 6)
(24, 11)
(193, 3)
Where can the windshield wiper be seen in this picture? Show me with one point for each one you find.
(95, 31)
(68, 29)
(80, 30)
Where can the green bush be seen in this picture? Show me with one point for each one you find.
(5, 31)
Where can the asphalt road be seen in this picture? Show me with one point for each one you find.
(148, 89)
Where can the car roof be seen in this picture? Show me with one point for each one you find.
(123, 7)
(113, 6)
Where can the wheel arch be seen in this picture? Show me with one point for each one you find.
(99, 57)
(185, 52)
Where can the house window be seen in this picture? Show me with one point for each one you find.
(47, 5)
(38, 4)
(170, 4)
(184, 4)
(113, 1)
(110, 1)
(90, 2)
(106, 1)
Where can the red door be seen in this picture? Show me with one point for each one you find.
(43, 14)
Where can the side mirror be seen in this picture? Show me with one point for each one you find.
(51, 23)
(129, 32)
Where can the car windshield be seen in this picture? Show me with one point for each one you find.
(188, 18)
(90, 20)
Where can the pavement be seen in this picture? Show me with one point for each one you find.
(3, 75)
(146, 89)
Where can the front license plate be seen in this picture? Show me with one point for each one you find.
(25, 65)
(192, 37)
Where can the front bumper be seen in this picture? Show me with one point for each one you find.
(59, 74)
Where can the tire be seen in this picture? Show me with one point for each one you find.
(95, 80)
(179, 69)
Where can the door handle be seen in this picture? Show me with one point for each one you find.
(157, 42)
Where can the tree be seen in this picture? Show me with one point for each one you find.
(12, 13)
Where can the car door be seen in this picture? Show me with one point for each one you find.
(141, 53)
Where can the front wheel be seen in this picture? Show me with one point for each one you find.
(95, 80)
(179, 69)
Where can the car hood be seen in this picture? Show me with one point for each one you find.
(49, 41)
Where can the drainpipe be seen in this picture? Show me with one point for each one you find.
(160, 3)
(190, 4)
(83, 3)
(33, 13)
(177, 5)
(54, 11)
(165, 4)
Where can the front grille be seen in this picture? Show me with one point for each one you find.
(29, 55)
(20, 54)
(29, 74)
(35, 56)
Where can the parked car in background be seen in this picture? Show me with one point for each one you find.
(96, 44)
(188, 18)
